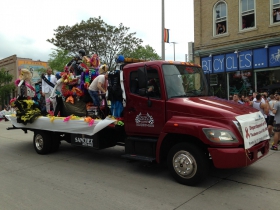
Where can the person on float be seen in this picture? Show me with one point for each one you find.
(48, 83)
(98, 84)
(74, 64)
(57, 94)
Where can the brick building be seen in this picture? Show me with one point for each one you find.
(237, 44)
(14, 64)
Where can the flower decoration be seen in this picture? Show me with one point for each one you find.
(51, 113)
(12, 102)
(73, 117)
(89, 120)
(52, 118)
(66, 119)
(70, 99)
(77, 91)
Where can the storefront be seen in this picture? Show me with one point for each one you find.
(243, 72)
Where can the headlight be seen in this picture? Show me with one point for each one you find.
(217, 135)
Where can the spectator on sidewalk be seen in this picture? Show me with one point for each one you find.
(259, 105)
(270, 122)
(236, 99)
(276, 129)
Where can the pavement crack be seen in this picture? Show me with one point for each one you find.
(227, 179)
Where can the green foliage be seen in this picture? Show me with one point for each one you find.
(6, 87)
(95, 36)
(146, 53)
(58, 59)
(41, 70)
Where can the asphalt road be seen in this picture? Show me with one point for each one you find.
(82, 178)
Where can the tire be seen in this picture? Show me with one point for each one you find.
(42, 142)
(193, 166)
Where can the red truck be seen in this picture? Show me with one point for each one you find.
(177, 121)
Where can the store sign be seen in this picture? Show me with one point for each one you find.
(260, 58)
(231, 62)
(245, 60)
(242, 60)
(206, 64)
(274, 56)
(218, 63)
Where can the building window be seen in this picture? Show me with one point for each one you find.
(275, 5)
(220, 17)
(247, 8)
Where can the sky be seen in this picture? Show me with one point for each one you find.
(27, 24)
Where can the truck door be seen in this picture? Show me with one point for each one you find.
(140, 118)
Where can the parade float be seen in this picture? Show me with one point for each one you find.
(179, 124)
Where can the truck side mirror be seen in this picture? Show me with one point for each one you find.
(142, 78)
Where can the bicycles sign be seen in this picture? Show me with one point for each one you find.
(274, 56)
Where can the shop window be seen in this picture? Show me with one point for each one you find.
(217, 85)
(275, 5)
(268, 81)
(241, 82)
(220, 18)
(247, 19)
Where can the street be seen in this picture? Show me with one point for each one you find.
(82, 178)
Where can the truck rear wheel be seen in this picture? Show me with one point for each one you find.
(187, 164)
(42, 142)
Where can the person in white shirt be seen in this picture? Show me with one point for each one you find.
(48, 83)
(262, 101)
(56, 95)
(262, 107)
(98, 84)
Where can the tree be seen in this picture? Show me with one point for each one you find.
(58, 59)
(41, 71)
(146, 53)
(6, 87)
(95, 36)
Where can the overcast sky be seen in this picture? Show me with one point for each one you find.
(27, 24)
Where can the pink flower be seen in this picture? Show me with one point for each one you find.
(91, 122)
(66, 119)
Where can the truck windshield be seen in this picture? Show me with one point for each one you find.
(184, 81)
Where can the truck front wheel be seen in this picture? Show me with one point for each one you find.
(42, 142)
(187, 164)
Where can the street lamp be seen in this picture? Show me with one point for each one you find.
(174, 48)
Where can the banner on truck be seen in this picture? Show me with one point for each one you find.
(254, 128)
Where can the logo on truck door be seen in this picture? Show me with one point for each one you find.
(144, 120)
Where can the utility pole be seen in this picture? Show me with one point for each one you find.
(162, 31)
(174, 48)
